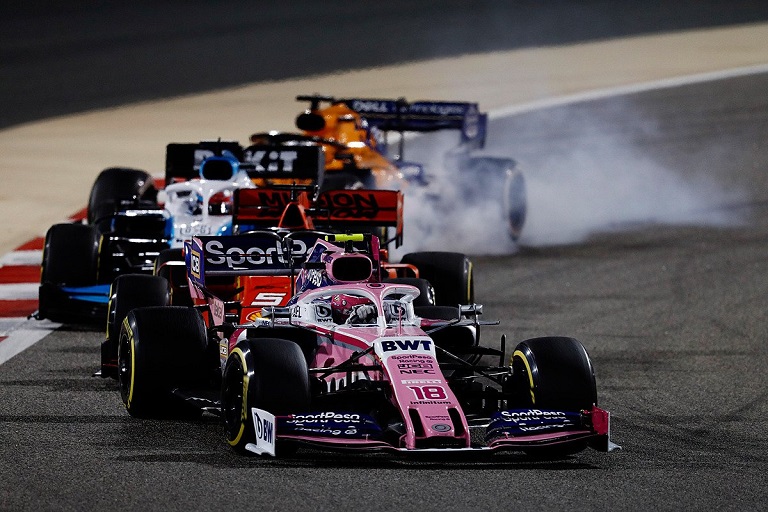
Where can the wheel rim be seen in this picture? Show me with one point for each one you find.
(125, 367)
(233, 399)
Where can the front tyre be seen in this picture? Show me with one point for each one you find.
(268, 373)
(554, 373)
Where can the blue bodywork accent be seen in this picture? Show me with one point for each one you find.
(98, 293)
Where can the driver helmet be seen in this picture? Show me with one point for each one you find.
(342, 306)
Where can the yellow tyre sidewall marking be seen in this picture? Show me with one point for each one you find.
(244, 406)
(132, 340)
(524, 359)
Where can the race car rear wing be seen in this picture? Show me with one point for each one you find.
(183, 159)
(338, 210)
(186, 161)
(259, 253)
(420, 116)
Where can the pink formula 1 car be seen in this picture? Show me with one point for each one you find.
(355, 361)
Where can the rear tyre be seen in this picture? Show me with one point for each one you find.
(159, 349)
(554, 373)
(515, 202)
(128, 292)
(426, 291)
(116, 185)
(70, 258)
(267, 373)
(450, 274)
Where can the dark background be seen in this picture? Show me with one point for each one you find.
(63, 57)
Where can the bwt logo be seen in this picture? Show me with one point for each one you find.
(265, 429)
(390, 345)
(272, 160)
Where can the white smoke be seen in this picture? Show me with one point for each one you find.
(591, 179)
(454, 212)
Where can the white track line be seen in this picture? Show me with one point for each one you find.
(623, 90)
(31, 331)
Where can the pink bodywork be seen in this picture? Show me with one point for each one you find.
(404, 351)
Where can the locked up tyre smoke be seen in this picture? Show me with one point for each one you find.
(484, 176)
(159, 349)
(267, 373)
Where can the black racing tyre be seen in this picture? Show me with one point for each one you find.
(554, 373)
(128, 292)
(70, 255)
(426, 291)
(267, 373)
(170, 265)
(450, 273)
(159, 349)
(515, 202)
(115, 185)
(70, 258)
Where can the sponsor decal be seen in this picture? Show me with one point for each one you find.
(272, 160)
(223, 352)
(439, 109)
(217, 310)
(268, 299)
(441, 427)
(421, 381)
(331, 423)
(235, 256)
(404, 345)
(529, 415)
(350, 205)
(519, 422)
(381, 107)
(324, 417)
(264, 428)
(195, 264)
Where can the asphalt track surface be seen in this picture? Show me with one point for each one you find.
(673, 317)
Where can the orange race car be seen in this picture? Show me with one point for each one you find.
(354, 134)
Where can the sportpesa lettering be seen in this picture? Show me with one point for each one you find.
(532, 415)
(324, 417)
(255, 256)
